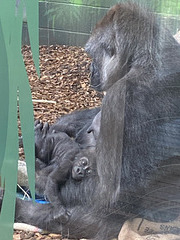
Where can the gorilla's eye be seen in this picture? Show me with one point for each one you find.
(88, 171)
(90, 131)
(84, 161)
(110, 51)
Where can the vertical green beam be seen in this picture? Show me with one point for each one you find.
(13, 83)
(25, 100)
(4, 96)
(9, 163)
(32, 11)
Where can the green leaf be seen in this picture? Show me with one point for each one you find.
(14, 84)
(77, 2)
(32, 11)
(4, 96)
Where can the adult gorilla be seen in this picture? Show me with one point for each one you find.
(138, 64)
(138, 148)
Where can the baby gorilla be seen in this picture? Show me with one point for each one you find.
(67, 170)
(55, 164)
(58, 159)
(51, 147)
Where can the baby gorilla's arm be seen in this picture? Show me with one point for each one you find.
(56, 179)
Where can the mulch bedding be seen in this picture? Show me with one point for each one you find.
(64, 83)
(62, 88)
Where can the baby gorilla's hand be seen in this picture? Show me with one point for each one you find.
(40, 130)
(42, 143)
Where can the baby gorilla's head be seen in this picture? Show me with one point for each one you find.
(81, 168)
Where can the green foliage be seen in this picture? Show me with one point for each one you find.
(164, 7)
(64, 13)
(14, 85)
(171, 7)
(77, 2)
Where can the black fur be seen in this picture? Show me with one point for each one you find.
(55, 154)
(53, 147)
(88, 135)
(83, 126)
(72, 123)
(70, 168)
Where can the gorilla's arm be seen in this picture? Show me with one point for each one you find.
(72, 123)
(84, 222)
(56, 179)
(42, 172)
(86, 123)
(88, 135)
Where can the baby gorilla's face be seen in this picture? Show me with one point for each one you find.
(81, 168)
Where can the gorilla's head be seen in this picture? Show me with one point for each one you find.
(116, 50)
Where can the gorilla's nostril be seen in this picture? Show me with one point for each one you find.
(78, 170)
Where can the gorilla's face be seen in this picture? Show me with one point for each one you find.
(101, 47)
(108, 61)
(81, 168)
(104, 61)
(115, 51)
